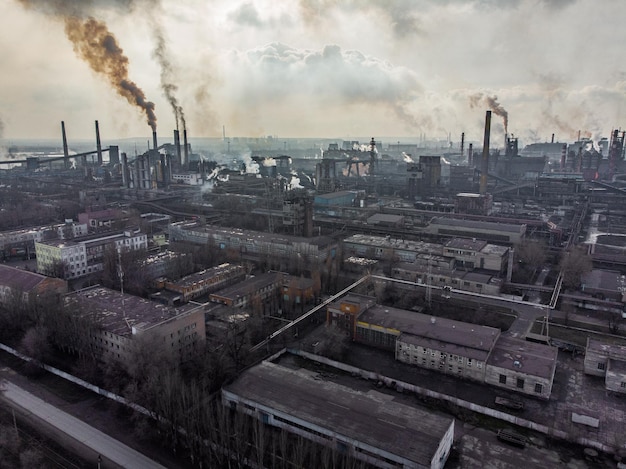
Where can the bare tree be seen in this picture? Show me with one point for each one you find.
(574, 264)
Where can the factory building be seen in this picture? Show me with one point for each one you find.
(372, 427)
(457, 253)
(122, 319)
(522, 366)
(465, 350)
(507, 233)
(207, 281)
(607, 361)
(256, 246)
(22, 285)
(258, 291)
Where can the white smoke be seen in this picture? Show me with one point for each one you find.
(295, 183)
(407, 158)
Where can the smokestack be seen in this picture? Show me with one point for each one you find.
(224, 133)
(177, 145)
(66, 152)
(462, 144)
(470, 155)
(98, 145)
(186, 148)
(484, 167)
(552, 139)
(154, 140)
(563, 156)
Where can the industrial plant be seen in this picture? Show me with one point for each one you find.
(450, 281)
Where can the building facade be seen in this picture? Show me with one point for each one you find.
(123, 321)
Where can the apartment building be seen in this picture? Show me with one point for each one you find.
(77, 257)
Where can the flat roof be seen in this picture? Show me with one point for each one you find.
(523, 356)
(408, 245)
(196, 277)
(611, 350)
(117, 316)
(466, 243)
(254, 236)
(455, 337)
(482, 225)
(371, 417)
(249, 285)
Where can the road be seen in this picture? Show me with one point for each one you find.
(113, 453)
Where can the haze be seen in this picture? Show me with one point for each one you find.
(319, 68)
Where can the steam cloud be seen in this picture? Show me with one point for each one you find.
(95, 44)
(493, 104)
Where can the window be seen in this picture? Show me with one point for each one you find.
(601, 366)
(520, 383)
(502, 379)
(539, 388)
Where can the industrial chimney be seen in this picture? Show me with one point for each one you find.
(462, 145)
(186, 147)
(66, 153)
(470, 155)
(154, 140)
(177, 145)
(484, 166)
(98, 145)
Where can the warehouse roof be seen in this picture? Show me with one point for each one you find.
(370, 417)
(455, 337)
(523, 356)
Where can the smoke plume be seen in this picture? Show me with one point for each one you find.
(96, 45)
(492, 103)
(167, 74)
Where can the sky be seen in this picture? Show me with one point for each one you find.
(313, 68)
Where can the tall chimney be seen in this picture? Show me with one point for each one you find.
(66, 153)
(563, 156)
(98, 145)
(484, 166)
(177, 145)
(552, 139)
(470, 155)
(462, 144)
(154, 140)
(186, 147)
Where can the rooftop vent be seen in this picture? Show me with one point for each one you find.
(517, 364)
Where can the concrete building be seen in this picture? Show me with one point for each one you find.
(522, 366)
(256, 246)
(508, 233)
(82, 256)
(123, 319)
(461, 349)
(101, 219)
(18, 284)
(477, 254)
(258, 291)
(207, 281)
(371, 427)
(608, 361)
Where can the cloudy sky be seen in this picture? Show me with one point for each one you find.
(312, 68)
